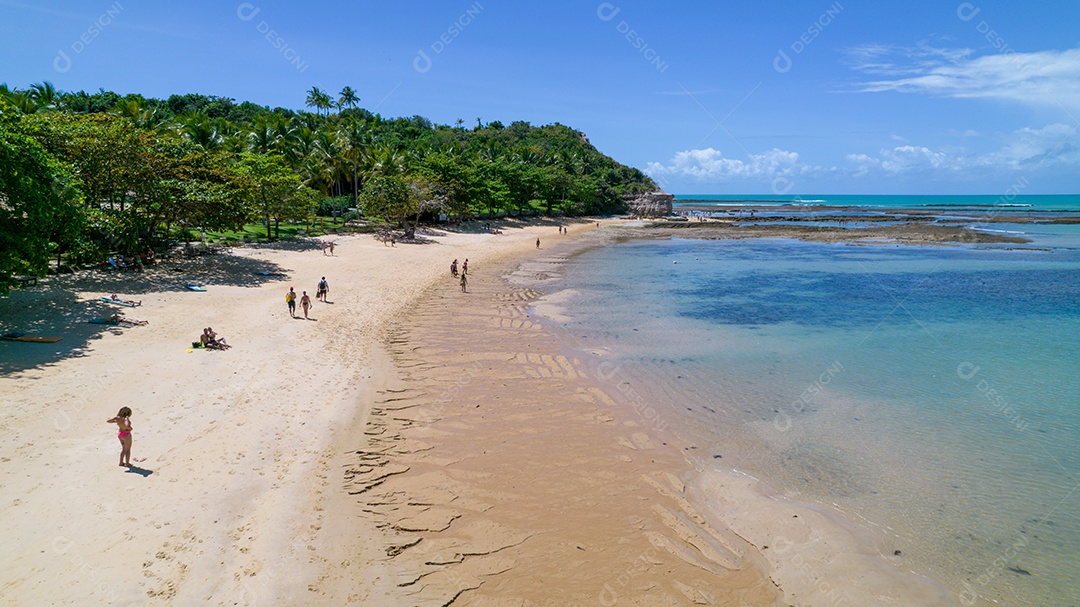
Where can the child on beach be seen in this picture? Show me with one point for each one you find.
(123, 422)
(305, 303)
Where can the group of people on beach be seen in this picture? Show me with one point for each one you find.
(322, 291)
(464, 271)
(210, 340)
(327, 245)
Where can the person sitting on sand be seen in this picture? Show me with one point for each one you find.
(211, 341)
(123, 422)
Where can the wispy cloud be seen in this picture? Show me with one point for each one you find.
(685, 93)
(1044, 78)
(895, 60)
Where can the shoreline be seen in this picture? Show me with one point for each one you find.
(816, 554)
(567, 498)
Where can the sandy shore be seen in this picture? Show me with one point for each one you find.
(409, 445)
(236, 497)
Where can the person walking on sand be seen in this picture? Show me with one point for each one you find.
(305, 303)
(123, 421)
(331, 248)
(538, 243)
(290, 299)
(464, 283)
(465, 267)
(323, 291)
(324, 245)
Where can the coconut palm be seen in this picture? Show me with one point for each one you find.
(318, 99)
(348, 98)
(357, 140)
(44, 96)
(263, 136)
(203, 131)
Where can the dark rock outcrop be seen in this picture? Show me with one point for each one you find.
(653, 204)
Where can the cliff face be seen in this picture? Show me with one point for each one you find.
(653, 204)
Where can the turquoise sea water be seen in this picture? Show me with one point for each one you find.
(932, 393)
(1011, 198)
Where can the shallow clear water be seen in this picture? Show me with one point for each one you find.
(932, 392)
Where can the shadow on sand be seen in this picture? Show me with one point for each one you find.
(52, 307)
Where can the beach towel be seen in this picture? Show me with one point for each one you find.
(118, 302)
(39, 339)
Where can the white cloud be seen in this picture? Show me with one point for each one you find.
(1027, 149)
(1044, 78)
(711, 165)
(1052, 148)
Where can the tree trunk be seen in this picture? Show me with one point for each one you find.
(266, 211)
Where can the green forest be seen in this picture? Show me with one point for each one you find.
(87, 175)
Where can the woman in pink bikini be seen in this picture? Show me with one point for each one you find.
(123, 421)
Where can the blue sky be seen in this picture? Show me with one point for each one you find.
(707, 97)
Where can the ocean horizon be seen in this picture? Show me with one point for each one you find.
(1014, 198)
(926, 392)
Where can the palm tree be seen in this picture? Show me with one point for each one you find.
(44, 95)
(318, 99)
(460, 123)
(348, 98)
(262, 136)
(357, 140)
(202, 130)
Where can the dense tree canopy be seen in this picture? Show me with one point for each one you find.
(122, 169)
(40, 201)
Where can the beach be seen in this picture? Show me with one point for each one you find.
(410, 445)
(236, 494)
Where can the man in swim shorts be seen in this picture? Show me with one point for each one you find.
(290, 298)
